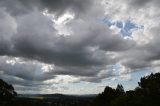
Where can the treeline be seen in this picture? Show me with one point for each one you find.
(7, 91)
(146, 94)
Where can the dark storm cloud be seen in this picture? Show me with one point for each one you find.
(32, 35)
(117, 43)
(60, 6)
(57, 7)
(36, 38)
(139, 3)
(143, 3)
(135, 64)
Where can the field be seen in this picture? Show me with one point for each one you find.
(49, 100)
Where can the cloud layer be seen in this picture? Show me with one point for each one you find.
(34, 53)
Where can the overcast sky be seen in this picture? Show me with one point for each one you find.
(78, 46)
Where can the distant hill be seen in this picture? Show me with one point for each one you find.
(56, 96)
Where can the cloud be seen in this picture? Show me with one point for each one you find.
(59, 7)
(25, 71)
(33, 52)
(143, 3)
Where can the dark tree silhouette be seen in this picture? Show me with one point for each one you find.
(146, 94)
(109, 94)
(120, 89)
(150, 84)
(6, 90)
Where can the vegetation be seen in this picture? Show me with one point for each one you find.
(146, 94)
(6, 91)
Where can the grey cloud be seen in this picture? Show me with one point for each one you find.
(25, 71)
(78, 71)
(26, 33)
(135, 64)
(11, 79)
(18, 7)
(139, 3)
(142, 56)
(41, 89)
(106, 72)
(81, 54)
(143, 3)
(116, 43)
(58, 7)
(36, 38)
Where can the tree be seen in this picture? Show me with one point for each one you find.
(146, 94)
(150, 84)
(6, 90)
(109, 94)
(120, 89)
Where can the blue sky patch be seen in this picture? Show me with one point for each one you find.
(126, 26)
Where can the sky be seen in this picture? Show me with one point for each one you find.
(78, 46)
